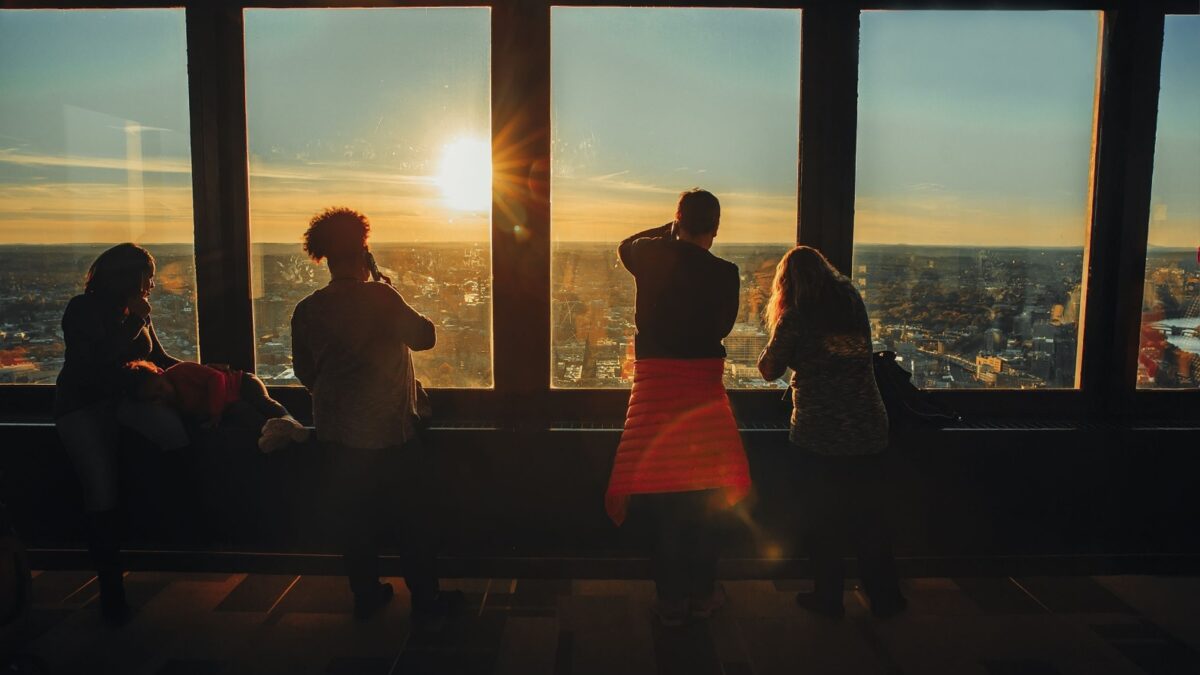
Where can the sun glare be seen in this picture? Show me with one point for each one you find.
(465, 175)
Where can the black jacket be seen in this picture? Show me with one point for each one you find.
(687, 298)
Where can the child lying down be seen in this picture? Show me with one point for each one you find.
(210, 395)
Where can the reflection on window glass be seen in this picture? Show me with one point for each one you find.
(972, 188)
(94, 150)
(386, 111)
(647, 103)
(1170, 348)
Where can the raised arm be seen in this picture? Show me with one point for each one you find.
(411, 327)
(627, 252)
(773, 362)
(88, 342)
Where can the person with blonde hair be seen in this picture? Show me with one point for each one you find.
(839, 427)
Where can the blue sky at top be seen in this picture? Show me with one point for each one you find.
(974, 127)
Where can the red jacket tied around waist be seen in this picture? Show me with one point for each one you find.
(203, 391)
(679, 435)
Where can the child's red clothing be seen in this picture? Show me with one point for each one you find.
(202, 391)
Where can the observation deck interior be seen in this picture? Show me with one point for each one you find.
(1051, 529)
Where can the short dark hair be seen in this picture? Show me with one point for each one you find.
(135, 375)
(336, 231)
(118, 272)
(698, 212)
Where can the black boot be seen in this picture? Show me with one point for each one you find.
(104, 545)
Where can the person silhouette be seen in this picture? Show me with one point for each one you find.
(105, 327)
(839, 427)
(351, 347)
(680, 455)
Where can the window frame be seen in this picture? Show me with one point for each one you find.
(521, 397)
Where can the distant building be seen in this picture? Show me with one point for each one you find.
(744, 343)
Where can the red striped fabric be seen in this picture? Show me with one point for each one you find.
(679, 435)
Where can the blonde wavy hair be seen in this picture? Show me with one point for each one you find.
(804, 277)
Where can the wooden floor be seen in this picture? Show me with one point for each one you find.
(250, 623)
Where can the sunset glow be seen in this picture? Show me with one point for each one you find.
(465, 175)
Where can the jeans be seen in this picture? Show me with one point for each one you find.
(373, 493)
(686, 543)
(90, 435)
(844, 504)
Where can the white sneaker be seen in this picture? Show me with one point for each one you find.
(279, 432)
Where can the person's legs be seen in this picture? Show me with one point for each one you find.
(670, 560)
(411, 494)
(703, 542)
(157, 422)
(104, 547)
(254, 392)
(877, 565)
(353, 495)
(823, 499)
(418, 494)
(89, 438)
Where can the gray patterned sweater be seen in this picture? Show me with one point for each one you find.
(836, 409)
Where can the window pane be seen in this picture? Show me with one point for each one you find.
(1170, 349)
(386, 111)
(647, 103)
(972, 192)
(94, 151)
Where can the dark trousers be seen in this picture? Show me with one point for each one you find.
(254, 405)
(843, 502)
(686, 543)
(377, 493)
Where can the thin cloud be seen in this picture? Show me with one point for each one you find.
(152, 165)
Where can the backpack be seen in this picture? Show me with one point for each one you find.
(908, 407)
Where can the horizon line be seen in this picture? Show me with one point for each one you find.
(599, 241)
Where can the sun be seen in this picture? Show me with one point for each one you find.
(465, 174)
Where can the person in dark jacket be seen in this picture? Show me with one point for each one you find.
(105, 327)
(680, 454)
(839, 428)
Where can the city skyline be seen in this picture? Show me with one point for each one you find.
(960, 317)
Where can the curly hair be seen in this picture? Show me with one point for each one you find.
(336, 231)
(118, 272)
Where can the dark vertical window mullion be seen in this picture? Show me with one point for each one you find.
(217, 92)
(1127, 125)
(828, 128)
(521, 208)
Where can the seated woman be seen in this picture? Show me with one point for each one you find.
(105, 327)
(206, 394)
